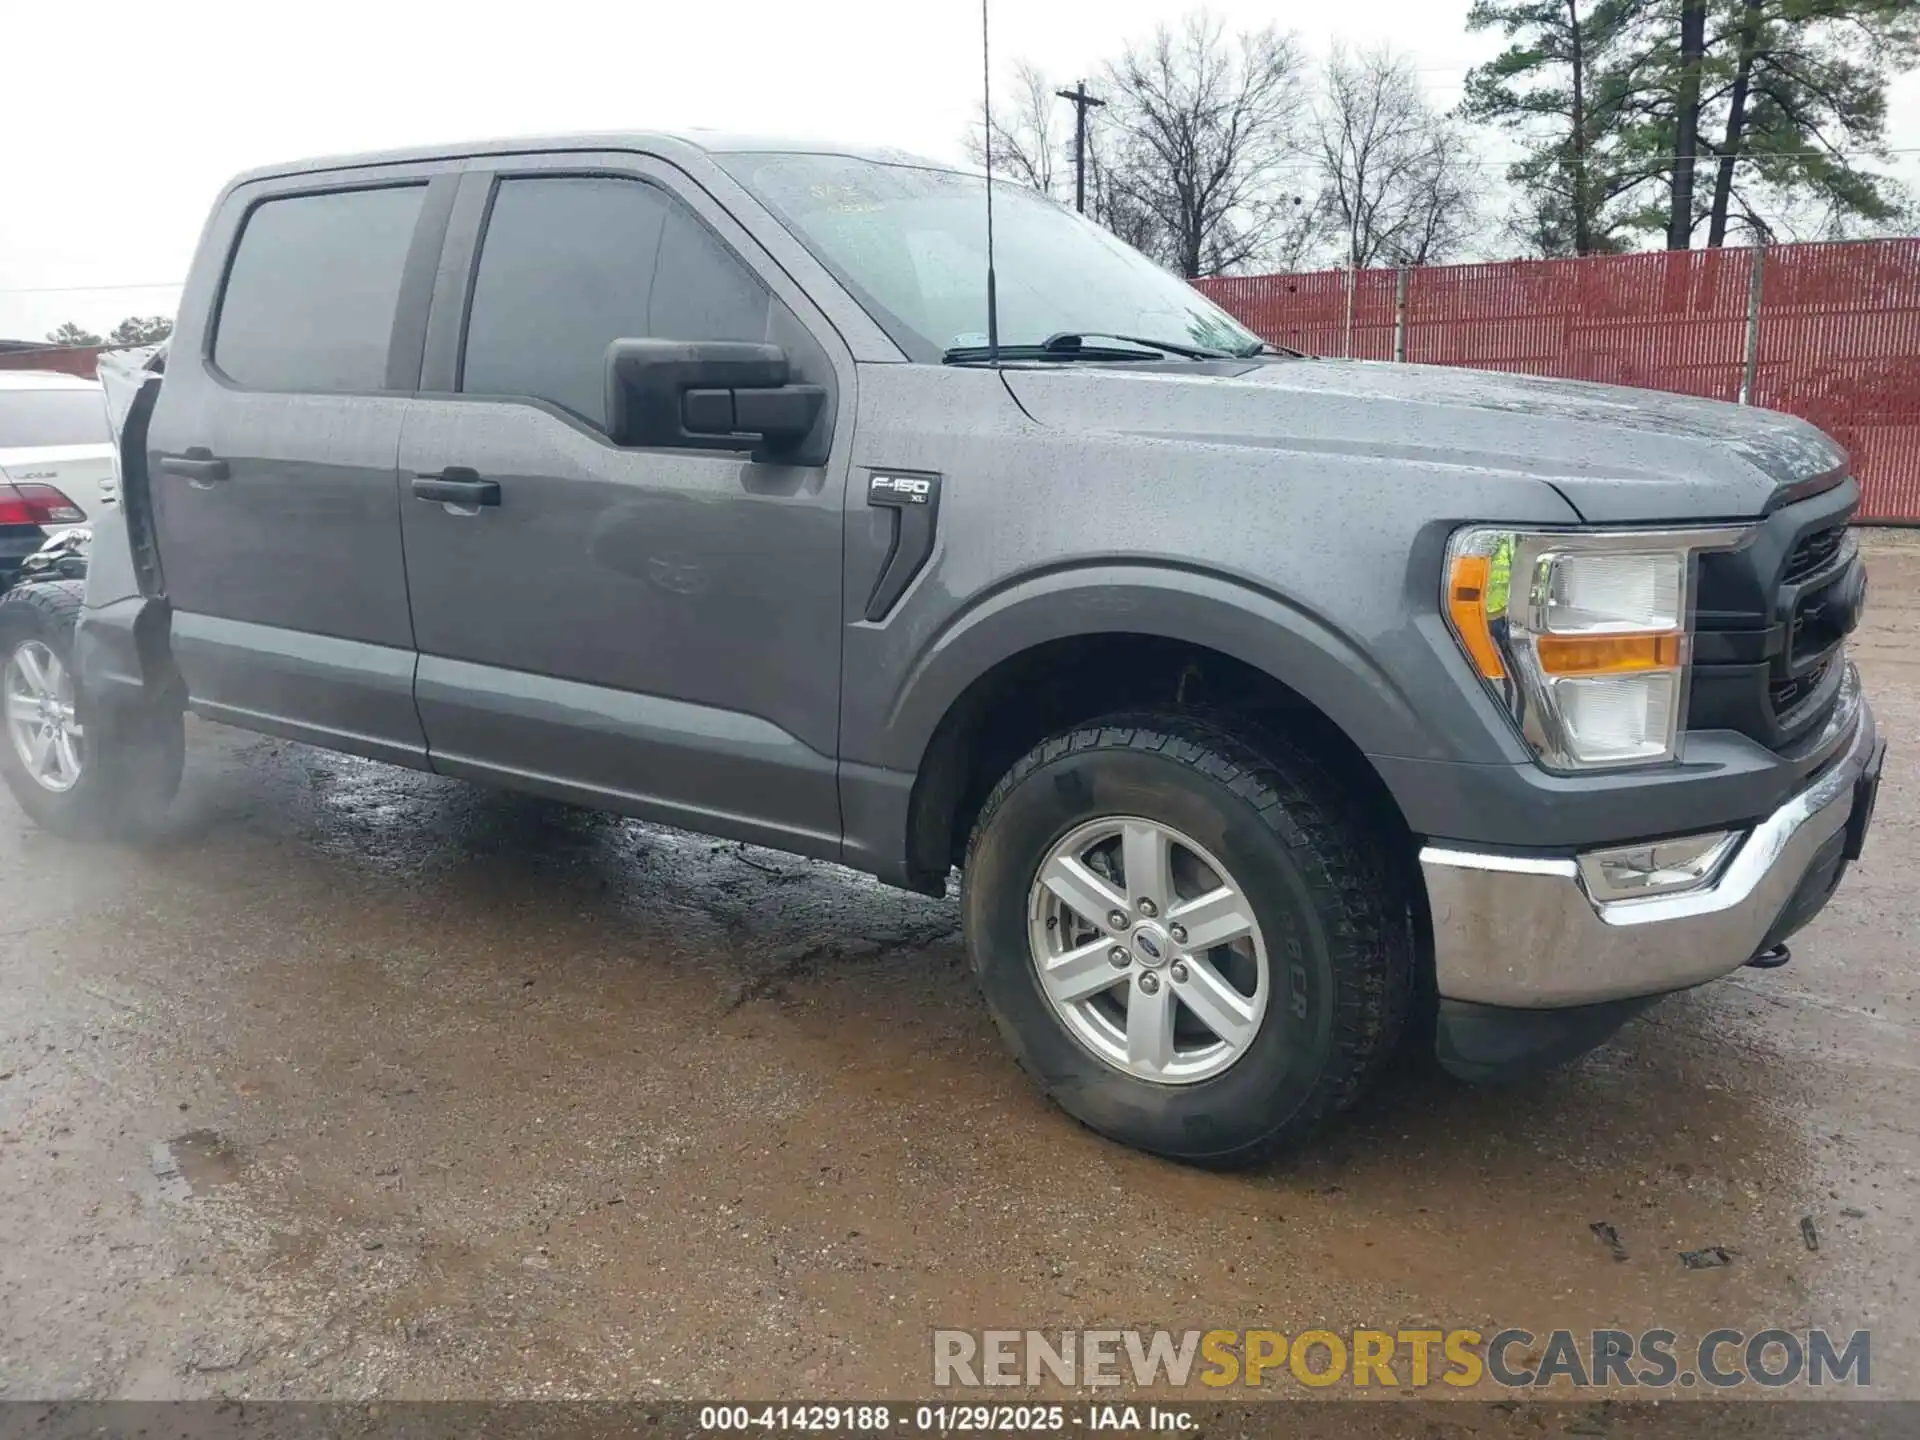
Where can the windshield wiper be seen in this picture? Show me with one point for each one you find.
(967, 354)
(1071, 341)
(1072, 345)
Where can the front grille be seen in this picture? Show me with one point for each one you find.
(1771, 621)
(1787, 695)
(1812, 553)
(1818, 622)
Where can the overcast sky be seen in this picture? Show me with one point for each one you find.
(123, 119)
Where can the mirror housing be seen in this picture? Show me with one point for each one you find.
(708, 395)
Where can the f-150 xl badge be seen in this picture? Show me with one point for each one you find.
(915, 503)
(900, 490)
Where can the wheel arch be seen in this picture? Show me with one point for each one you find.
(1124, 637)
(50, 600)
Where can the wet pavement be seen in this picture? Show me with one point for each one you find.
(371, 1083)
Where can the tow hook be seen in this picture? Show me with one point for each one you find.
(1771, 959)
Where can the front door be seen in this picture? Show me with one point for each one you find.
(651, 630)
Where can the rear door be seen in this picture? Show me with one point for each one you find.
(650, 630)
(271, 455)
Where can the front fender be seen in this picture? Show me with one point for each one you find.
(1327, 668)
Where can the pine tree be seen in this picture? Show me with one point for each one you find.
(1555, 89)
(142, 330)
(1777, 101)
(72, 334)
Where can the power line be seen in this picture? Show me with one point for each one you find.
(1650, 165)
(1703, 157)
(1293, 167)
(87, 289)
(9, 351)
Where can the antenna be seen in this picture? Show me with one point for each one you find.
(986, 102)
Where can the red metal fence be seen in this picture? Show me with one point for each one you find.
(81, 360)
(1834, 335)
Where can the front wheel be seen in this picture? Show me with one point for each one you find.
(76, 769)
(1186, 935)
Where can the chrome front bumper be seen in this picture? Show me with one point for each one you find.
(1523, 931)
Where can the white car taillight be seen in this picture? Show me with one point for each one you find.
(26, 504)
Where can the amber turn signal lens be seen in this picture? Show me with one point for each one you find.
(1607, 654)
(1467, 607)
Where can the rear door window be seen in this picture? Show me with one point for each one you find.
(571, 263)
(309, 299)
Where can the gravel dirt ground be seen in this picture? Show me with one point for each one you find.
(369, 1083)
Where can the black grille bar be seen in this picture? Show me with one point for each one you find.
(1813, 553)
(1771, 620)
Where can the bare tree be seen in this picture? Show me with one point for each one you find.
(1202, 127)
(1026, 134)
(1399, 181)
(1111, 202)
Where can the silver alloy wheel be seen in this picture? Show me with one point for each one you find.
(1148, 950)
(37, 695)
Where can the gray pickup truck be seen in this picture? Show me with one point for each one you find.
(1272, 709)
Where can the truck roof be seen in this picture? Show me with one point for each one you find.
(704, 142)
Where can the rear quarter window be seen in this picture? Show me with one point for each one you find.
(310, 294)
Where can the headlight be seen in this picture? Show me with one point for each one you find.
(1584, 637)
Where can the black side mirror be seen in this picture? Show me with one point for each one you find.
(707, 395)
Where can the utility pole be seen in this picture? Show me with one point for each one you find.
(1081, 102)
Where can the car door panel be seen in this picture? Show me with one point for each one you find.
(303, 532)
(342, 694)
(610, 579)
(732, 773)
(656, 631)
(317, 570)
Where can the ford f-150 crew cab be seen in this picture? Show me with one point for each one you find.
(1267, 706)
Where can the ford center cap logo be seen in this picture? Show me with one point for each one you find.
(1149, 947)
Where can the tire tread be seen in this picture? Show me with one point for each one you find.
(1345, 862)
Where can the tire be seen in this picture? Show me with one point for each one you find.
(1317, 881)
(128, 761)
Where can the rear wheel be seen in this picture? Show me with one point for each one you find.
(42, 720)
(77, 769)
(1188, 937)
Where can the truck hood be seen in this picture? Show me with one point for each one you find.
(1615, 454)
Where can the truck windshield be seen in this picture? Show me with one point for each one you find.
(910, 242)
